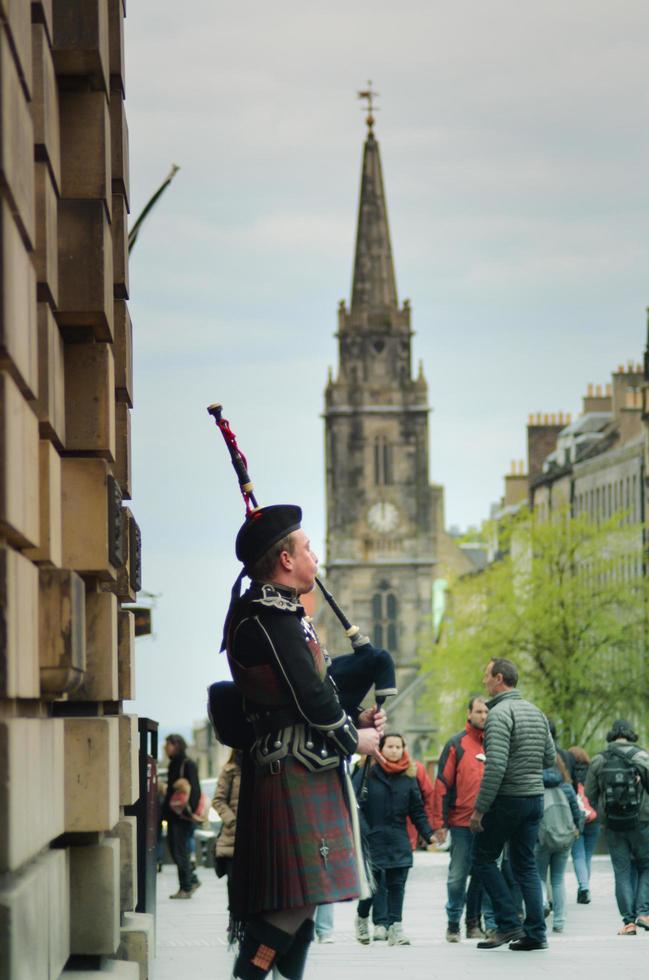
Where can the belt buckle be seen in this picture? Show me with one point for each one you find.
(275, 767)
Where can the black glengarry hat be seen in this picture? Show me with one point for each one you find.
(263, 528)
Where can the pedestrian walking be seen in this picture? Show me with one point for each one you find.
(584, 847)
(509, 807)
(392, 796)
(180, 826)
(295, 846)
(459, 774)
(324, 923)
(226, 802)
(427, 792)
(560, 826)
(617, 784)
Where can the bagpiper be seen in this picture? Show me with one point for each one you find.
(297, 841)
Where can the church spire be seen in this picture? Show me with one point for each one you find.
(374, 286)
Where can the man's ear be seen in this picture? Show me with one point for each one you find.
(286, 560)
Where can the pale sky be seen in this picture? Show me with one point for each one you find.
(515, 153)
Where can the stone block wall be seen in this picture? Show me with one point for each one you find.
(69, 549)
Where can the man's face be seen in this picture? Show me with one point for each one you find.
(490, 682)
(478, 714)
(304, 563)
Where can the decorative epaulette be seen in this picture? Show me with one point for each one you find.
(272, 599)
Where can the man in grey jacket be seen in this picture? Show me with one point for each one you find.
(617, 785)
(509, 807)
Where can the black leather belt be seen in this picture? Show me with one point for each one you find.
(271, 721)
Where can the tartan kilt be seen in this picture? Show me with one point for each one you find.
(284, 823)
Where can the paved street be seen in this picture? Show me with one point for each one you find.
(191, 938)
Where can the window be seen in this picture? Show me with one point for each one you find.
(385, 610)
(382, 461)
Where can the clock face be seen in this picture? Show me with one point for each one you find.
(383, 516)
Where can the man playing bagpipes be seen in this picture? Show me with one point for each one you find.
(297, 841)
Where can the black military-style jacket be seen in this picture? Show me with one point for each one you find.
(280, 668)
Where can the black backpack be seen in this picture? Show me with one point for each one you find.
(621, 787)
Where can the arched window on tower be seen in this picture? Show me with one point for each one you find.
(385, 610)
(382, 461)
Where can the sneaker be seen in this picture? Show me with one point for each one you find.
(453, 932)
(195, 886)
(557, 928)
(326, 937)
(474, 930)
(362, 929)
(643, 921)
(583, 896)
(380, 934)
(181, 894)
(500, 938)
(628, 929)
(396, 935)
(525, 943)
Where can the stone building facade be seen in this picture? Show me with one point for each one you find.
(381, 507)
(597, 463)
(69, 545)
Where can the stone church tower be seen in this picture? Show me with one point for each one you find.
(381, 507)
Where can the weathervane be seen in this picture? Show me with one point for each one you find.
(369, 95)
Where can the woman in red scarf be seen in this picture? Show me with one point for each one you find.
(392, 796)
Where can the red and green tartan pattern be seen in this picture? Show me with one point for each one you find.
(284, 823)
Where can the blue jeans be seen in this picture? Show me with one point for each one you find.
(514, 820)
(557, 862)
(582, 853)
(629, 850)
(461, 851)
(387, 901)
(324, 920)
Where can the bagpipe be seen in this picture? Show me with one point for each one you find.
(354, 674)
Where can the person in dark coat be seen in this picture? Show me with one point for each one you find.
(297, 841)
(180, 828)
(392, 796)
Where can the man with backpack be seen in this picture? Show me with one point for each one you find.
(617, 785)
(459, 773)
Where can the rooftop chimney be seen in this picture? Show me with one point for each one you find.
(596, 400)
(516, 488)
(542, 432)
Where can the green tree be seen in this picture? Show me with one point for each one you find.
(568, 603)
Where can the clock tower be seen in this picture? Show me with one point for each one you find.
(381, 529)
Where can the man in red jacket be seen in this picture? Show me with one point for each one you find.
(459, 774)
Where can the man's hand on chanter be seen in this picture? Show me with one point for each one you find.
(373, 718)
(368, 742)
